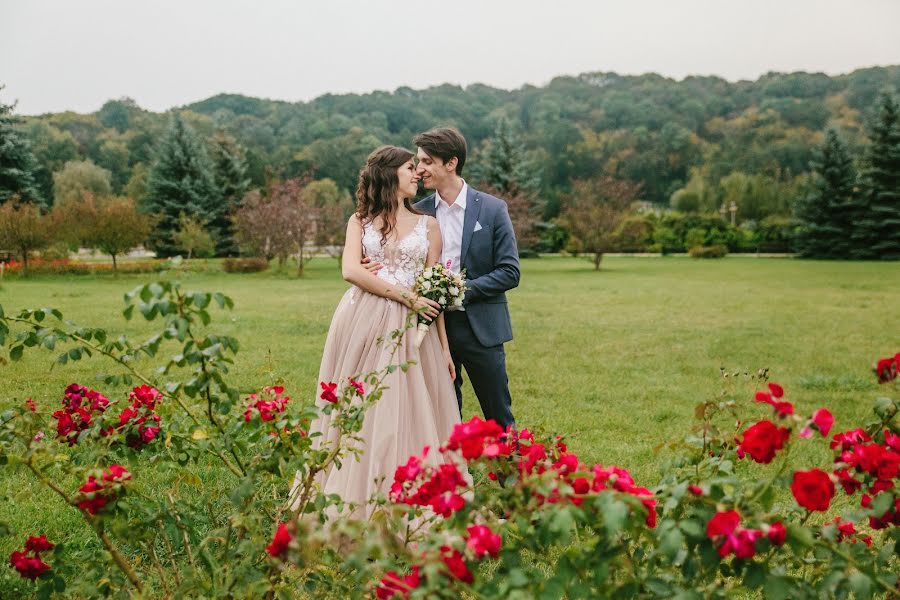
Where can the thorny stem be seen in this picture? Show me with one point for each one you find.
(117, 557)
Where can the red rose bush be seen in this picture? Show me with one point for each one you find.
(193, 486)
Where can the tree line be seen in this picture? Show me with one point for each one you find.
(700, 146)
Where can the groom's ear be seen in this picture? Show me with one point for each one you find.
(451, 164)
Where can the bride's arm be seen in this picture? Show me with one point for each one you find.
(356, 274)
(435, 247)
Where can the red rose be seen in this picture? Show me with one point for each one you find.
(723, 523)
(358, 386)
(483, 541)
(456, 564)
(777, 533)
(30, 404)
(328, 394)
(29, 567)
(696, 490)
(145, 396)
(776, 390)
(823, 420)
(887, 368)
(848, 439)
(471, 438)
(446, 504)
(762, 440)
(38, 544)
(847, 481)
(813, 489)
(280, 541)
(392, 584)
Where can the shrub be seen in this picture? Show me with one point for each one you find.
(714, 251)
(557, 527)
(245, 265)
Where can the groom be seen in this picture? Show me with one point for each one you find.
(478, 237)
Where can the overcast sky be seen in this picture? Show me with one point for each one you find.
(75, 55)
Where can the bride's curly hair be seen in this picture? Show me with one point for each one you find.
(376, 192)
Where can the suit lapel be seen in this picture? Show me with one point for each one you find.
(426, 206)
(473, 208)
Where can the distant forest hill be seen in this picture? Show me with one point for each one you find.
(648, 129)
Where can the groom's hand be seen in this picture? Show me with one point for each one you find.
(371, 267)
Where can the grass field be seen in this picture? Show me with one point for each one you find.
(615, 360)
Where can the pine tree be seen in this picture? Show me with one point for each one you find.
(232, 181)
(826, 214)
(18, 166)
(503, 165)
(878, 223)
(180, 181)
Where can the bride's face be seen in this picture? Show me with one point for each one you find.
(408, 180)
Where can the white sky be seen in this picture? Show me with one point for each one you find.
(74, 55)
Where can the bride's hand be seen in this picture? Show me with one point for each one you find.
(425, 307)
(450, 365)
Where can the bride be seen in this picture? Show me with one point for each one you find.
(418, 407)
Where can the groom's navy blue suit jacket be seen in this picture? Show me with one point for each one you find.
(491, 261)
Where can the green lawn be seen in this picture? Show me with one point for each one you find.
(615, 360)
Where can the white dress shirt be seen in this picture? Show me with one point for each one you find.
(450, 218)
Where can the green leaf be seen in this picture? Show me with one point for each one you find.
(204, 316)
(861, 584)
(799, 537)
(614, 516)
(201, 300)
(128, 312)
(15, 353)
(777, 588)
(50, 342)
(671, 543)
(881, 504)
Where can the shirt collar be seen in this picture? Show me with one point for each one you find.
(460, 199)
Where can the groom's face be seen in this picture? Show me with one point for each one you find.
(432, 170)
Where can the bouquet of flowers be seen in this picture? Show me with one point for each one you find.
(442, 285)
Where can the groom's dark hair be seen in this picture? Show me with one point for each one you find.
(444, 143)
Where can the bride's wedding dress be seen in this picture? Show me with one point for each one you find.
(419, 406)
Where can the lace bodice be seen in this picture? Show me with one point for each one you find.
(402, 258)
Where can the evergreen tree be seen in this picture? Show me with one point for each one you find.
(232, 181)
(180, 181)
(18, 166)
(878, 223)
(826, 214)
(503, 165)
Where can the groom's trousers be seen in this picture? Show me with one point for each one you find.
(485, 366)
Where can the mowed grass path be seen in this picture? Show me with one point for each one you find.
(615, 360)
